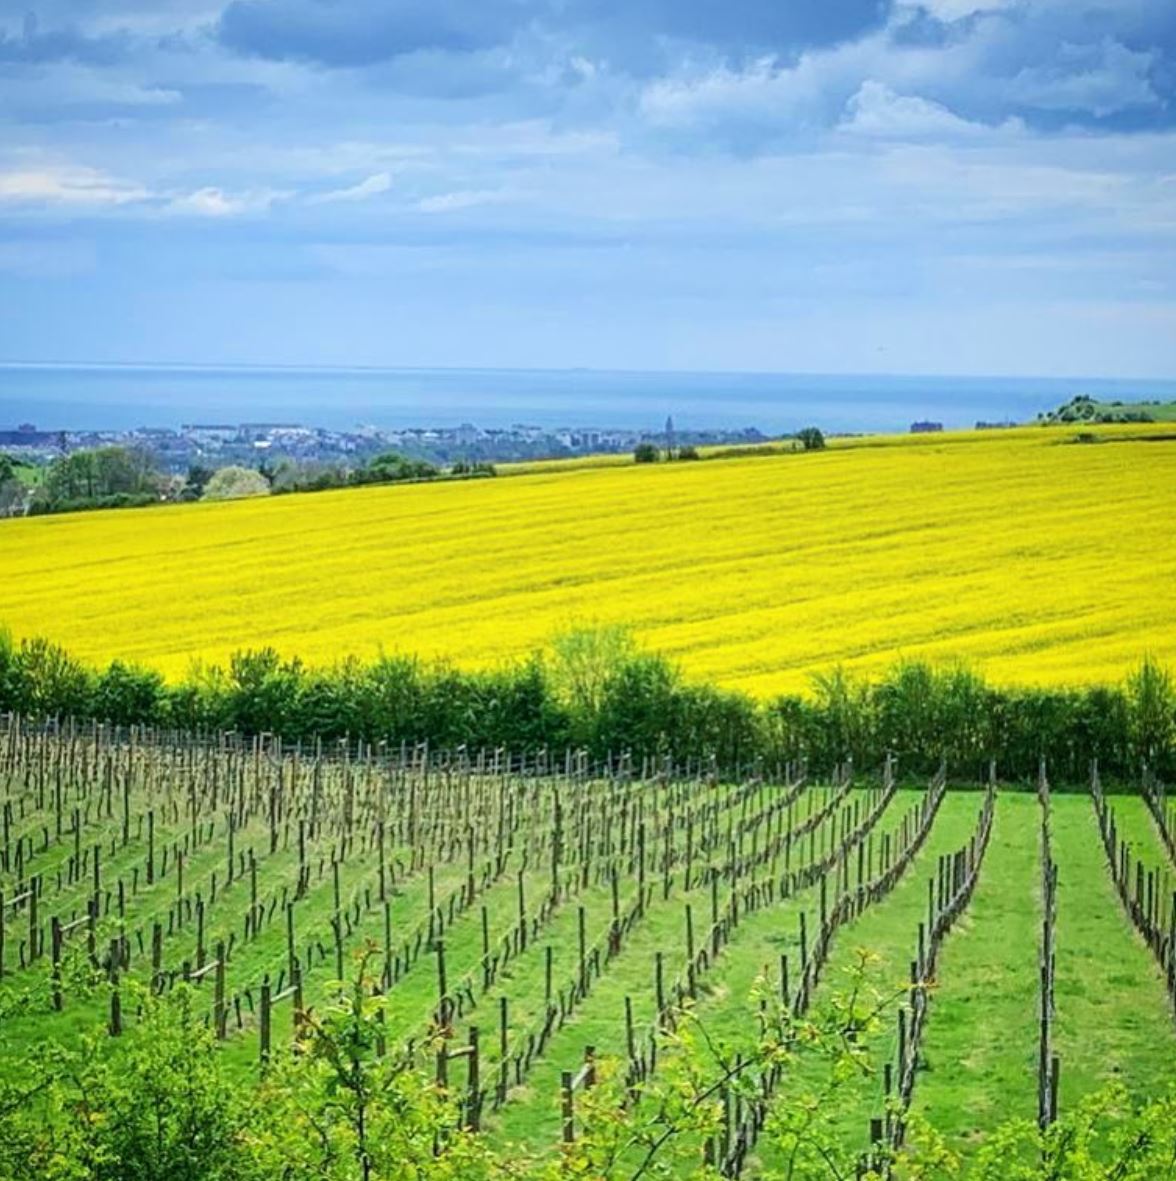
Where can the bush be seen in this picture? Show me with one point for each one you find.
(688, 452)
(127, 696)
(235, 483)
(811, 439)
(392, 467)
(595, 689)
(646, 453)
(466, 467)
(293, 475)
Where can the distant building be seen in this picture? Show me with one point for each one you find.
(27, 435)
(210, 433)
(251, 432)
(925, 428)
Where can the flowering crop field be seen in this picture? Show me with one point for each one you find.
(1033, 558)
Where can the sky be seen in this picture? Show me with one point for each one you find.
(833, 186)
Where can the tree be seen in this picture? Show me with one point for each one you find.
(126, 695)
(584, 662)
(234, 483)
(391, 467)
(90, 476)
(688, 452)
(645, 453)
(292, 475)
(811, 439)
(1151, 703)
(13, 493)
(197, 480)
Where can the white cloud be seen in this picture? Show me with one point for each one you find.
(372, 186)
(214, 202)
(73, 186)
(68, 185)
(463, 199)
(1101, 79)
(877, 110)
(724, 93)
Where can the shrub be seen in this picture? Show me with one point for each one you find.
(293, 475)
(392, 467)
(1151, 713)
(595, 689)
(126, 696)
(811, 439)
(645, 453)
(235, 483)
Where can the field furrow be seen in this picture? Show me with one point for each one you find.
(1113, 1020)
(885, 938)
(979, 1055)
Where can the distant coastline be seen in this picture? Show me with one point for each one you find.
(127, 396)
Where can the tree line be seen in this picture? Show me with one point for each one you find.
(594, 689)
(131, 477)
(121, 476)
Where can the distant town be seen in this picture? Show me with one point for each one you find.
(254, 443)
(50, 471)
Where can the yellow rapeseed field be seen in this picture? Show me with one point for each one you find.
(1034, 559)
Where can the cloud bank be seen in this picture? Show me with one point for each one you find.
(654, 183)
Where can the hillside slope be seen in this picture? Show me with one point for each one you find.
(1036, 559)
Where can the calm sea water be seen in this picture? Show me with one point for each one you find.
(120, 397)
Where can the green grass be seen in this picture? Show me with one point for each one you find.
(979, 1052)
(889, 933)
(532, 1116)
(1113, 1021)
(1137, 825)
(980, 1045)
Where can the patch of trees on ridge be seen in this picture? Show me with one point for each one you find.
(129, 477)
(810, 438)
(1084, 409)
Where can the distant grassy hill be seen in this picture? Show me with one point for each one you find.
(18, 469)
(1084, 408)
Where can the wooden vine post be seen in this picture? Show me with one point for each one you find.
(570, 1083)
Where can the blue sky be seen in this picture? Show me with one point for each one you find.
(944, 186)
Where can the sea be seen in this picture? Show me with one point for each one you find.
(122, 397)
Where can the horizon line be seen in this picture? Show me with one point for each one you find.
(270, 367)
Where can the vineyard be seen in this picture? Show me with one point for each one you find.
(546, 916)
